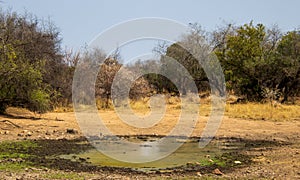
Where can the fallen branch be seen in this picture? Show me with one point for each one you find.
(5, 120)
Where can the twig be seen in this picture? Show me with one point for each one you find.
(5, 120)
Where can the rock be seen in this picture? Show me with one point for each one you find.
(82, 159)
(197, 163)
(190, 164)
(71, 131)
(217, 172)
(25, 131)
(33, 169)
(46, 169)
(237, 162)
(29, 133)
(13, 160)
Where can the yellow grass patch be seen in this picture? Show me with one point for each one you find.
(255, 111)
(263, 111)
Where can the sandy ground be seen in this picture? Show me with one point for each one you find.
(280, 162)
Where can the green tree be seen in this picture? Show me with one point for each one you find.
(191, 52)
(243, 60)
(32, 67)
(187, 60)
(288, 59)
(21, 82)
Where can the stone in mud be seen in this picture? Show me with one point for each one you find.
(190, 164)
(217, 172)
(82, 159)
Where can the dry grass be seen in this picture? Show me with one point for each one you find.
(263, 111)
(255, 111)
(61, 109)
(140, 107)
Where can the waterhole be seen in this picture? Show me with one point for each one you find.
(188, 153)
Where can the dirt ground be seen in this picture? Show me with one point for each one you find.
(279, 161)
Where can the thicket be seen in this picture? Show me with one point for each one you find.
(36, 73)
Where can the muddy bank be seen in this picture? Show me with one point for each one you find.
(46, 154)
(268, 150)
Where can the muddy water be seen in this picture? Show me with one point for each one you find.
(189, 152)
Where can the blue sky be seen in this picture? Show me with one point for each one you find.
(80, 21)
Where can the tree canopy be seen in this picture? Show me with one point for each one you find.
(32, 67)
(37, 74)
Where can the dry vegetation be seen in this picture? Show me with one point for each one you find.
(263, 111)
(249, 110)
